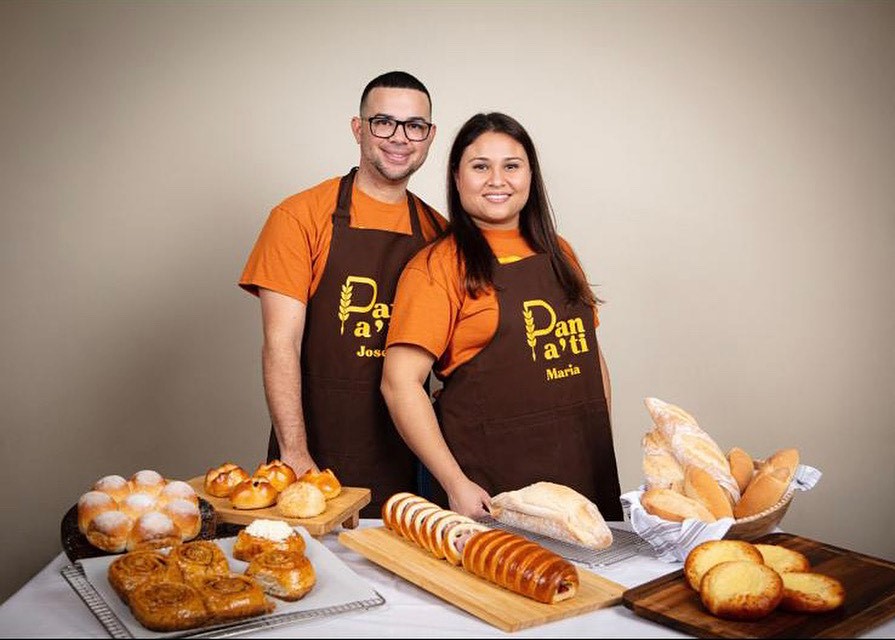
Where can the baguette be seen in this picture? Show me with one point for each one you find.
(700, 486)
(660, 468)
(741, 467)
(673, 506)
(765, 490)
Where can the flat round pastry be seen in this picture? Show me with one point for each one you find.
(233, 596)
(324, 480)
(254, 493)
(781, 559)
(186, 517)
(266, 535)
(147, 481)
(221, 480)
(280, 474)
(91, 504)
(199, 559)
(301, 500)
(287, 575)
(169, 606)
(807, 592)
(741, 590)
(153, 530)
(110, 531)
(133, 569)
(706, 555)
(114, 485)
(177, 490)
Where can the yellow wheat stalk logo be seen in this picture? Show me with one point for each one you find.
(530, 331)
(531, 334)
(344, 302)
(345, 306)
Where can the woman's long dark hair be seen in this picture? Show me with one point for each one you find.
(535, 220)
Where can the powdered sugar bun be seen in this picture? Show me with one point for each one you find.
(109, 531)
(177, 490)
(91, 504)
(114, 485)
(186, 516)
(147, 481)
(153, 530)
(136, 504)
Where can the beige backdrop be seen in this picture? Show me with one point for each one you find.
(724, 170)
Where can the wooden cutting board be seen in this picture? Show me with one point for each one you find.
(344, 509)
(869, 598)
(493, 604)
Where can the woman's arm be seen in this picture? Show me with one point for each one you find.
(604, 370)
(404, 373)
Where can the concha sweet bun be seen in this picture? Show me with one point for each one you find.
(136, 504)
(186, 515)
(91, 504)
(301, 500)
(254, 493)
(177, 490)
(153, 530)
(114, 485)
(221, 480)
(280, 474)
(109, 531)
(147, 481)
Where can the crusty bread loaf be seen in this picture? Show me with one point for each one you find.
(781, 559)
(741, 590)
(807, 592)
(742, 466)
(765, 490)
(706, 555)
(661, 469)
(553, 510)
(701, 486)
(673, 506)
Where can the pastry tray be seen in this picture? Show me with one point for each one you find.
(344, 593)
(625, 544)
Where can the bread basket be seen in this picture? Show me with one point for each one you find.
(761, 523)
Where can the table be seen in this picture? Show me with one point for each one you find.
(48, 607)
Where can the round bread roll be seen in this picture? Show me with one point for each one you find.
(706, 555)
(806, 592)
(702, 487)
(741, 590)
(186, 517)
(90, 505)
(220, 481)
(136, 504)
(287, 575)
(109, 531)
(741, 467)
(254, 493)
(673, 506)
(324, 480)
(177, 490)
(114, 485)
(153, 530)
(147, 481)
(280, 474)
(781, 559)
(301, 500)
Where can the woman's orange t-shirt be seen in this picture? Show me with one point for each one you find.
(433, 310)
(290, 253)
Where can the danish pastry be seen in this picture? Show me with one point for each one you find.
(232, 596)
(806, 592)
(783, 560)
(199, 559)
(741, 590)
(133, 569)
(287, 575)
(221, 480)
(266, 535)
(706, 555)
(169, 606)
(280, 474)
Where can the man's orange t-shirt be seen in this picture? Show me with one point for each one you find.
(291, 251)
(433, 310)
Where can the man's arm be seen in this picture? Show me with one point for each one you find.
(284, 326)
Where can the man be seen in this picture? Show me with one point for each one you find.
(325, 268)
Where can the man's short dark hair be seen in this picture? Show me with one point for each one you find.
(394, 80)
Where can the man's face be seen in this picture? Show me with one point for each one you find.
(394, 158)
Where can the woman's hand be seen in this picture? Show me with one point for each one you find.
(469, 499)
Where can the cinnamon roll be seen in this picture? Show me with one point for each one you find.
(133, 569)
(199, 559)
(287, 575)
(232, 596)
(169, 606)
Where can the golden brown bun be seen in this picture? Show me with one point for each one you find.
(741, 590)
(706, 555)
(287, 575)
(247, 545)
(673, 506)
(147, 481)
(741, 467)
(168, 606)
(765, 490)
(782, 459)
(109, 531)
(198, 559)
(254, 493)
(220, 480)
(177, 490)
(90, 505)
(783, 560)
(456, 536)
(153, 530)
(806, 592)
(301, 500)
(114, 485)
(186, 517)
(136, 504)
(233, 596)
(133, 569)
(702, 487)
(280, 474)
(324, 480)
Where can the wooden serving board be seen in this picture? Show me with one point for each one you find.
(344, 509)
(493, 604)
(869, 598)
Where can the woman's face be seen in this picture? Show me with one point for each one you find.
(494, 179)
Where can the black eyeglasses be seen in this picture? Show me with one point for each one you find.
(415, 130)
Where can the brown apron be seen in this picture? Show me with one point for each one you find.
(347, 422)
(530, 406)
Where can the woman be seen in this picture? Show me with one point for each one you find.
(501, 307)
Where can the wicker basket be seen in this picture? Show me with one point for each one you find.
(761, 523)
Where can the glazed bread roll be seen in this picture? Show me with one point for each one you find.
(136, 504)
(221, 480)
(254, 493)
(266, 535)
(233, 596)
(553, 510)
(741, 590)
(114, 485)
(147, 481)
(280, 474)
(153, 530)
(131, 570)
(199, 559)
(456, 537)
(660, 468)
(806, 592)
(176, 490)
(741, 467)
(301, 500)
(419, 525)
(388, 507)
(287, 575)
(109, 531)
(169, 606)
(90, 505)
(673, 506)
(706, 555)
(324, 480)
(186, 517)
(522, 566)
(702, 487)
(765, 490)
(783, 560)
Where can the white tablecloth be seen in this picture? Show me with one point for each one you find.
(48, 607)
